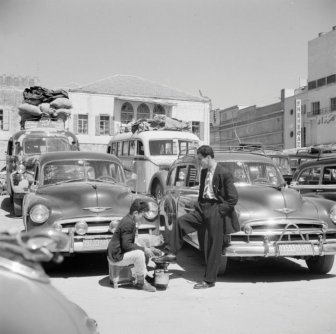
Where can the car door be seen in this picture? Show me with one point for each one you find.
(328, 185)
(308, 181)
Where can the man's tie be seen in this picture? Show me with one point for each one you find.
(207, 186)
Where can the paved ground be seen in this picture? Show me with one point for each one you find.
(268, 296)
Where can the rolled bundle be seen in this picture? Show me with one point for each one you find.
(46, 109)
(26, 108)
(61, 103)
(61, 113)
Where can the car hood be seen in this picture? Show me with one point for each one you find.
(77, 199)
(267, 203)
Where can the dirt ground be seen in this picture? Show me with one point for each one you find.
(267, 296)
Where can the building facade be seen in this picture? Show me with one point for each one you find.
(11, 89)
(237, 124)
(310, 114)
(103, 107)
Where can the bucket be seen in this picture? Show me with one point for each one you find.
(161, 279)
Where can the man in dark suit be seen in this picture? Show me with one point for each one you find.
(214, 213)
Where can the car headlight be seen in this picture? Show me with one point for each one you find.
(153, 211)
(332, 214)
(39, 214)
(81, 227)
(21, 168)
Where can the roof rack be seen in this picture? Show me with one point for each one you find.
(243, 147)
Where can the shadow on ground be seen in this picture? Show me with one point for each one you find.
(190, 267)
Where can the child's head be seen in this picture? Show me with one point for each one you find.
(138, 208)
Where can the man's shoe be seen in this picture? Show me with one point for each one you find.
(204, 285)
(169, 257)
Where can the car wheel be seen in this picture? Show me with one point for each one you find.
(17, 203)
(170, 210)
(158, 191)
(320, 264)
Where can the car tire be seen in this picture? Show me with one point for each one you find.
(320, 264)
(17, 204)
(158, 191)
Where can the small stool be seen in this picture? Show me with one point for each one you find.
(120, 275)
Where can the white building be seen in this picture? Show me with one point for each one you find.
(310, 114)
(100, 108)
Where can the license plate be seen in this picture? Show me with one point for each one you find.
(295, 249)
(95, 243)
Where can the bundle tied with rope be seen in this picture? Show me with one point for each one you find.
(39, 102)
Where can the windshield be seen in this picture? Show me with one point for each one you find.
(284, 165)
(82, 170)
(254, 172)
(42, 145)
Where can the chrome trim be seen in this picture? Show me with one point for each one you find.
(269, 250)
(87, 219)
(26, 271)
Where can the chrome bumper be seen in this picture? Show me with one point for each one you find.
(99, 243)
(295, 249)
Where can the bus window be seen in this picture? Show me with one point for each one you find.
(132, 147)
(118, 149)
(140, 148)
(162, 147)
(113, 148)
(125, 148)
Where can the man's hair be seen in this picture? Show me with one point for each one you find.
(206, 150)
(139, 205)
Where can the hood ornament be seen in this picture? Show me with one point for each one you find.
(285, 210)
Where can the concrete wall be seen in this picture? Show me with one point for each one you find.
(251, 124)
(322, 56)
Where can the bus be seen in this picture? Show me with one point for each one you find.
(147, 156)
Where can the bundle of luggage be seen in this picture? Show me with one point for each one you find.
(40, 102)
(158, 122)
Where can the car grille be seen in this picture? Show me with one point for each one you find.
(286, 231)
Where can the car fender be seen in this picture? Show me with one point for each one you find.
(160, 176)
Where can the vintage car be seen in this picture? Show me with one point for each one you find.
(29, 303)
(275, 221)
(84, 195)
(24, 147)
(317, 178)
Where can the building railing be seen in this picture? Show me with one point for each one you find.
(321, 111)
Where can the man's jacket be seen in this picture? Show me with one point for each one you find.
(226, 192)
(123, 239)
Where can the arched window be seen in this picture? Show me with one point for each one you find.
(159, 110)
(127, 113)
(143, 111)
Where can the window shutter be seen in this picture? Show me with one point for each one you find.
(111, 126)
(75, 124)
(97, 119)
(201, 130)
(5, 120)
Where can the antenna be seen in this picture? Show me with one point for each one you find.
(235, 127)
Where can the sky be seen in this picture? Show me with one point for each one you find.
(236, 52)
